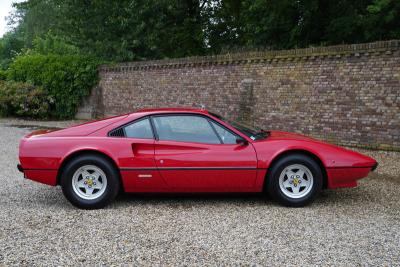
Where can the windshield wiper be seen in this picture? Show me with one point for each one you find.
(261, 133)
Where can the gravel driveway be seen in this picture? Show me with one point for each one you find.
(358, 226)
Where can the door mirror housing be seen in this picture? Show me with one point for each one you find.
(241, 141)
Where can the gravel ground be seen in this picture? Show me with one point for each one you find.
(357, 226)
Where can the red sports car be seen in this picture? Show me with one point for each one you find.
(185, 150)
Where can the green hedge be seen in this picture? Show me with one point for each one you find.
(64, 78)
(3, 75)
(23, 99)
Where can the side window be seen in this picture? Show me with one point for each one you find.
(185, 128)
(226, 136)
(139, 129)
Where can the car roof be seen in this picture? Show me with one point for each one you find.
(172, 110)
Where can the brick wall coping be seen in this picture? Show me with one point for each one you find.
(338, 51)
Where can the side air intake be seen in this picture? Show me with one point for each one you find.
(117, 133)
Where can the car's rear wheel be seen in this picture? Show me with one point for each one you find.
(90, 182)
(294, 180)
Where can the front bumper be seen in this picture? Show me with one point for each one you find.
(374, 167)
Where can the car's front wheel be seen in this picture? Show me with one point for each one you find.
(90, 182)
(294, 180)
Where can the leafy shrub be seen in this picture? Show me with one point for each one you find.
(65, 78)
(3, 75)
(23, 99)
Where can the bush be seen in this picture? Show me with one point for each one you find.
(65, 78)
(23, 99)
(3, 75)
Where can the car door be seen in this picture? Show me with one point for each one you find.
(137, 165)
(191, 156)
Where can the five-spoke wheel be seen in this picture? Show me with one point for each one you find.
(90, 181)
(294, 180)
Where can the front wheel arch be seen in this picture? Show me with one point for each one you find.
(305, 153)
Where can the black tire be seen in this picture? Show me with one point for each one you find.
(272, 182)
(111, 189)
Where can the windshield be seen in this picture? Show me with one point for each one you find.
(250, 131)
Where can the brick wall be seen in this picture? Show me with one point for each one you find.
(348, 94)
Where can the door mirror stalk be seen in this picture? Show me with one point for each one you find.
(242, 141)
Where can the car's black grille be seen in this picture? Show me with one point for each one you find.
(117, 133)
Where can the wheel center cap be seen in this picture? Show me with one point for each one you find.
(89, 182)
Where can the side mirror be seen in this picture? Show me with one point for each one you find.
(241, 141)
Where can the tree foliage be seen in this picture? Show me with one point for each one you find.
(51, 44)
(283, 24)
(51, 54)
(130, 30)
(10, 45)
(150, 29)
(34, 18)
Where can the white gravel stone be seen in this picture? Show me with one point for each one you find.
(345, 227)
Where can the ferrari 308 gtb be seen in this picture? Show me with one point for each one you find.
(185, 150)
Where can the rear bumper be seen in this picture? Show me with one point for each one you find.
(19, 167)
(44, 176)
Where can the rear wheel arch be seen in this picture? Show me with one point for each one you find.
(302, 152)
(85, 152)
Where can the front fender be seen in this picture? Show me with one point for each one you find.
(331, 156)
(342, 166)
